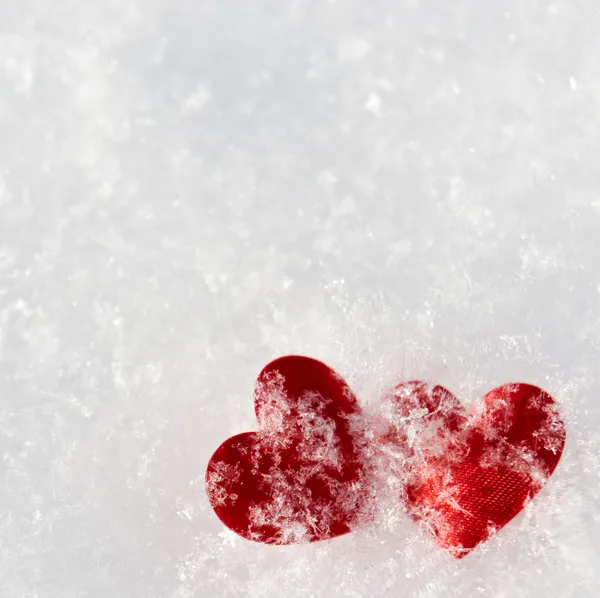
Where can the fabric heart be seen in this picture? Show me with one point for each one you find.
(465, 477)
(300, 478)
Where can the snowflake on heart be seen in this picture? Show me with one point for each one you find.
(307, 473)
(301, 477)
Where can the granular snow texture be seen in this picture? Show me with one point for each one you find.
(402, 189)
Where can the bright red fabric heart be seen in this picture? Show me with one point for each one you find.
(300, 478)
(463, 476)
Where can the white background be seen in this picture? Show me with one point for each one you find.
(189, 189)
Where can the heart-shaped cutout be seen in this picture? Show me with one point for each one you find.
(464, 477)
(300, 478)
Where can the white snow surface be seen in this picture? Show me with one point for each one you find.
(404, 189)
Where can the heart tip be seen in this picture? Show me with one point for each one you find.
(458, 552)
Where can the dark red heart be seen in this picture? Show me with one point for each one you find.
(300, 478)
(463, 476)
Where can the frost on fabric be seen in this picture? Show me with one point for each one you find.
(300, 478)
(310, 472)
(465, 477)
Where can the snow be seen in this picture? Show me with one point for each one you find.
(404, 190)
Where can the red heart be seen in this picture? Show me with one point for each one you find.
(465, 477)
(300, 477)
